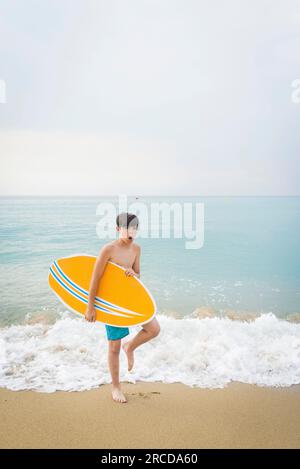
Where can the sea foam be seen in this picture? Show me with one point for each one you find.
(71, 354)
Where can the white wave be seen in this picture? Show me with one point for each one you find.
(71, 355)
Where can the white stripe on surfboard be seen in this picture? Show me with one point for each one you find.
(107, 304)
(101, 308)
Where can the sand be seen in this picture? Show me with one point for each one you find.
(157, 415)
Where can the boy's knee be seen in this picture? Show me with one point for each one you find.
(156, 331)
(115, 346)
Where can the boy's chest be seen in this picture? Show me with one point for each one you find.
(125, 258)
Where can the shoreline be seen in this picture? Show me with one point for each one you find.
(157, 415)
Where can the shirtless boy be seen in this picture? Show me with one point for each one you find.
(123, 251)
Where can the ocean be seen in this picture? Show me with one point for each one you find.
(229, 311)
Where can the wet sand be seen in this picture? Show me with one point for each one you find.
(156, 415)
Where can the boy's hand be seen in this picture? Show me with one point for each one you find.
(130, 272)
(90, 314)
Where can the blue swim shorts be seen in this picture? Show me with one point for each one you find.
(115, 333)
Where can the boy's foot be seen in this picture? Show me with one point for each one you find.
(129, 353)
(117, 394)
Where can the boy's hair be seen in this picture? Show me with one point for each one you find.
(127, 220)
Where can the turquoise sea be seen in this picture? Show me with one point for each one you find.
(249, 262)
(240, 291)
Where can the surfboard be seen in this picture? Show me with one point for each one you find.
(120, 301)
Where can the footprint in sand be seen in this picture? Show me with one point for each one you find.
(145, 394)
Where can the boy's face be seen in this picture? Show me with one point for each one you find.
(127, 233)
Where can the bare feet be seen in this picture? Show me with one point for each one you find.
(117, 394)
(129, 353)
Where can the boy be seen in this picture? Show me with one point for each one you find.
(124, 252)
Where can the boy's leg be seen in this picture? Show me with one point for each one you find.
(114, 347)
(114, 336)
(149, 330)
(113, 362)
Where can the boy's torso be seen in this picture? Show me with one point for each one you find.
(123, 255)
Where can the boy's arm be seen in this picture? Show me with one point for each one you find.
(136, 264)
(99, 267)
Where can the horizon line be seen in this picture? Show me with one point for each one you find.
(147, 195)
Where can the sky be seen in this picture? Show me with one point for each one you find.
(149, 97)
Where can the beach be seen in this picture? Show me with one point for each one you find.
(224, 370)
(156, 415)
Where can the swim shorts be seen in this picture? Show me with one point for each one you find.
(115, 333)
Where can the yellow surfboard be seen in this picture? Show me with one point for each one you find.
(120, 300)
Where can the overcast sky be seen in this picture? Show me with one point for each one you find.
(149, 97)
